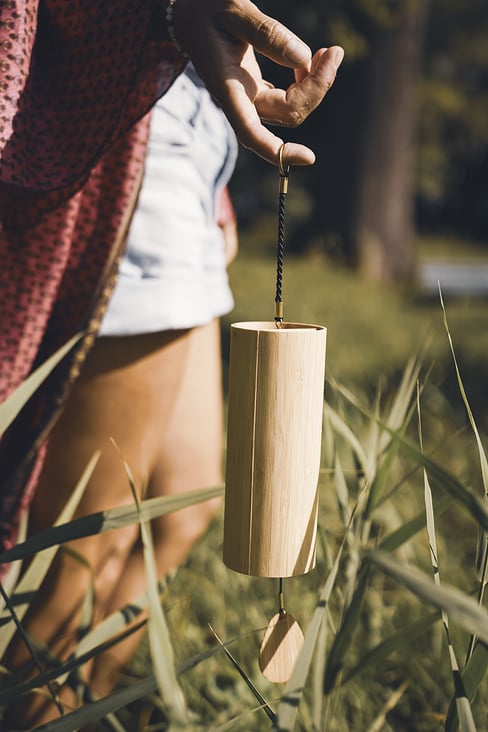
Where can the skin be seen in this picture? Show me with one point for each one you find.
(221, 38)
(173, 442)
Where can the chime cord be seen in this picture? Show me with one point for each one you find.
(281, 599)
(284, 173)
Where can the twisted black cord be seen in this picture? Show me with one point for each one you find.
(280, 248)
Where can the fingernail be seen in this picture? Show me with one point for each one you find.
(338, 56)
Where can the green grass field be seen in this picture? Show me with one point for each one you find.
(372, 333)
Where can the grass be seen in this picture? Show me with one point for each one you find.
(376, 657)
(372, 332)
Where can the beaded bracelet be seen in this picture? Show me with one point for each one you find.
(169, 11)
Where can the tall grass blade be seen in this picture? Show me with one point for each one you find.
(482, 551)
(397, 420)
(194, 661)
(395, 697)
(353, 602)
(11, 693)
(403, 396)
(460, 608)
(318, 671)
(342, 492)
(160, 647)
(447, 483)
(472, 676)
(114, 518)
(465, 714)
(115, 623)
(343, 639)
(340, 426)
(472, 422)
(463, 707)
(94, 711)
(395, 642)
(14, 403)
(39, 566)
(438, 477)
(52, 691)
(262, 701)
(110, 630)
(406, 531)
(373, 437)
(232, 722)
(161, 650)
(383, 449)
(14, 571)
(85, 652)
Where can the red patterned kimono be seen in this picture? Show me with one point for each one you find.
(77, 79)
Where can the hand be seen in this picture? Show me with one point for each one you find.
(221, 36)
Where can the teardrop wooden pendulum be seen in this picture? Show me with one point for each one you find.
(281, 644)
(274, 435)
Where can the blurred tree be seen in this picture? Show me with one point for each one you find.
(381, 233)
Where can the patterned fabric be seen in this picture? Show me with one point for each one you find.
(74, 77)
(76, 82)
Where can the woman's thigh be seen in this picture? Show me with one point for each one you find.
(190, 453)
(125, 396)
(158, 397)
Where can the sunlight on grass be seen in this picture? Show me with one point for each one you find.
(372, 329)
(375, 657)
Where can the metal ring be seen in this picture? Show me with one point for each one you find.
(284, 169)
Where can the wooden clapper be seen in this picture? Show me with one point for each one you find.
(276, 395)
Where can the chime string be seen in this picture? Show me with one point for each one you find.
(281, 599)
(284, 171)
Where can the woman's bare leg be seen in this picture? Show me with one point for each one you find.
(190, 457)
(128, 391)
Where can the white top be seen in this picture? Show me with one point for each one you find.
(173, 274)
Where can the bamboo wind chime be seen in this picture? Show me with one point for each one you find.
(276, 391)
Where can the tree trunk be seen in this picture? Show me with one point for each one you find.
(382, 224)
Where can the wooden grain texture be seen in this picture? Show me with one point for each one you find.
(280, 647)
(276, 392)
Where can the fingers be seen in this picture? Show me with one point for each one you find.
(279, 107)
(268, 36)
(252, 134)
(291, 107)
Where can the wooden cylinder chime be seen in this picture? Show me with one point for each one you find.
(274, 435)
(276, 391)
